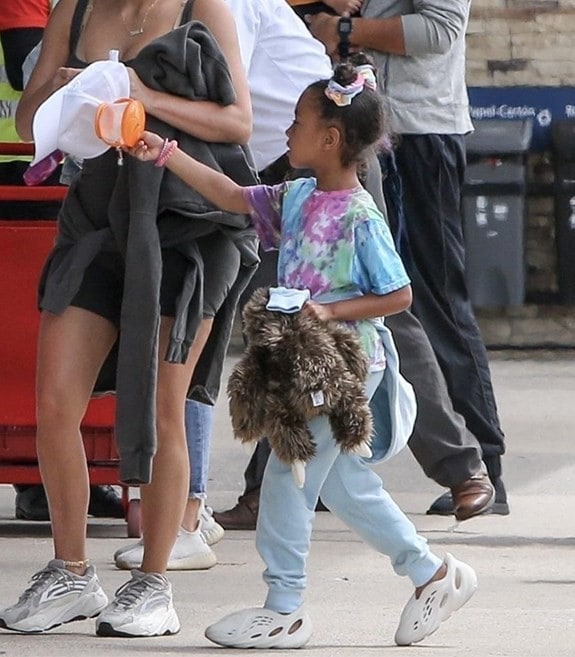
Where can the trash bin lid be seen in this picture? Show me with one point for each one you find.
(499, 136)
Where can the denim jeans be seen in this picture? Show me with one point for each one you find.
(199, 421)
(353, 492)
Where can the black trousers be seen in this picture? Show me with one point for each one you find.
(447, 452)
(431, 169)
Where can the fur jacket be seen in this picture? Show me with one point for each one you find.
(293, 369)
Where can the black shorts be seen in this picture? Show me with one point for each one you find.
(103, 283)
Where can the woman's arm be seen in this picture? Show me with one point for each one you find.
(207, 120)
(364, 307)
(213, 185)
(49, 73)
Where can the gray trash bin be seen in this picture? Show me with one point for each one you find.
(494, 212)
(563, 138)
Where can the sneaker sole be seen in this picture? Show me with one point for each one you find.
(172, 626)
(105, 629)
(195, 562)
(213, 535)
(91, 614)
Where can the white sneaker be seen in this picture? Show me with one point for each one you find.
(190, 552)
(212, 531)
(142, 607)
(56, 596)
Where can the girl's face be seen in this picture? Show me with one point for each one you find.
(306, 135)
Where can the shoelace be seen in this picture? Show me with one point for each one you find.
(133, 591)
(40, 581)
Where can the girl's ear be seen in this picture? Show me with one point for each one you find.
(332, 138)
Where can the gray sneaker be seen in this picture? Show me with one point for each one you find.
(56, 596)
(142, 607)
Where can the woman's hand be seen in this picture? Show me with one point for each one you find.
(148, 148)
(63, 75)
(138, 90)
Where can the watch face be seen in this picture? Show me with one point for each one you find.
(344, 26)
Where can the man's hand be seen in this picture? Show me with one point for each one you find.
(344, 6)
(324, 28)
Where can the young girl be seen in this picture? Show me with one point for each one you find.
(334, 242)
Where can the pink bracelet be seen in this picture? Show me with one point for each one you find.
(166, 152)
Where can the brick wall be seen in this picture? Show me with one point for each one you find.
(521, 42)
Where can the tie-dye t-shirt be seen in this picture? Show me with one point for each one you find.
(329, 242)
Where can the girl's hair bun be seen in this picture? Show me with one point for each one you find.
(344, 73)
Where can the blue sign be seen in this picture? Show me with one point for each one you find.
(542, 105)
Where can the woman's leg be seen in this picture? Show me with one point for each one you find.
(71, 349)
(144, 605)
(164, 499)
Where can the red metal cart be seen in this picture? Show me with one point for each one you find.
(23, 249)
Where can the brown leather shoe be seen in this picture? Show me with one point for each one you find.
(243, 515)
(473, 497)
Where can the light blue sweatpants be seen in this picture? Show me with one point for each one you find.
(352, 491)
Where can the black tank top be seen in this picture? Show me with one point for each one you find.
(77, 26)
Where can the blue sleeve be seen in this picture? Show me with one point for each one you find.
(378, 269)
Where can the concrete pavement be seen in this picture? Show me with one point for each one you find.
(525, 604)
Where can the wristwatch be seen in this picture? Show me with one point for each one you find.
(344, 27)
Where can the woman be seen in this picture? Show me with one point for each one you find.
(144, 257)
